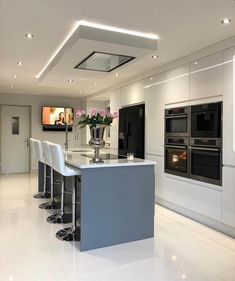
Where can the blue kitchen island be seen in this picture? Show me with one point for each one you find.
(115, 200)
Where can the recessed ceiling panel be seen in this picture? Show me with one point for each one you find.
(103, 62)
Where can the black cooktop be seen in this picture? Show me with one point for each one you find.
(106, 156)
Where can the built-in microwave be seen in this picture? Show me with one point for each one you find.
(206, 120)
(177, 121)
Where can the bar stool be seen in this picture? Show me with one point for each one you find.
(47, 154)
(57, 157)
(62, 217)
(40, 157)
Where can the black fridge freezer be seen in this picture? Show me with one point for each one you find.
(131, 130)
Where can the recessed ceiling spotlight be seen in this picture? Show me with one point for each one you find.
(14, 76)
(29, 35)
(196, 62)
(12, 86)
(154, 56)
(70, 80)
(116, 74)
(226, 21)
(151, 78)
(20, 63)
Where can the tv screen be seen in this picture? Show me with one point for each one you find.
(57, 116)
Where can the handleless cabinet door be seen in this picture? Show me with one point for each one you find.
(229, 108)
(206, 77)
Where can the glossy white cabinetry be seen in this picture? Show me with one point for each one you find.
(133, 94)
(228, 200)
(228, 153)
(206, 77)
(210, 80)
(206, 201)
(164, 89)
(154, 125)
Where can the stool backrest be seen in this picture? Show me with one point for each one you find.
(47, 152)
(31, 141)
(39, 151)
(57, 158)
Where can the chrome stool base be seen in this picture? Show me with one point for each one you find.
(58, 218)
(69, 234)
(50, 206)
(42, 195)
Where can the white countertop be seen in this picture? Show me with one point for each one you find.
(75, 158)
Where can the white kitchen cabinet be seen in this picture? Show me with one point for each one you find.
(133, 94)
(176, 85)
(206, 201)
(206, 77)
(228, 196)
(154, 122)
(228, 126)
(163, 90)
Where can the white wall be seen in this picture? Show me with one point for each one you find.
(185, 82)
(36, 102)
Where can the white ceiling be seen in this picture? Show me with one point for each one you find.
(183, 26)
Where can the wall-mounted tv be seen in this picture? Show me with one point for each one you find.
(57, 118)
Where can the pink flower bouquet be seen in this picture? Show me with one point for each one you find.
(96, 117)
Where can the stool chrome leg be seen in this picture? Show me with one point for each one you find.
(50, 205)
(62, 217)
(71, 233)
(44, 194)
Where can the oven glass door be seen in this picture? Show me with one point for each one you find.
(205, 124)
(206, 163)
(176, 124)
(176, 159)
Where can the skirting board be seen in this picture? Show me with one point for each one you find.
(223, 228)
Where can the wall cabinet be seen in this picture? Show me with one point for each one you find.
(206, 77)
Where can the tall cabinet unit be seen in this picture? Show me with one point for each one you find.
(228, 199)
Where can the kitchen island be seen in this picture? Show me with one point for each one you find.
(114, 200)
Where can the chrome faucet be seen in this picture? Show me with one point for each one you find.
(66, 144)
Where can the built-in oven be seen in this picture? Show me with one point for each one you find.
(177, 121)
(206, 160)
(177, 156)
(206, 120)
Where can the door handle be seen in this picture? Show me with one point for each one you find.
(27, 142)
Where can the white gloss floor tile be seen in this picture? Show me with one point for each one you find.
(181, 250)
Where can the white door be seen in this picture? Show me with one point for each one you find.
(14, 139)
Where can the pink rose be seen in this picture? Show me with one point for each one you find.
(93, 112)
(79, 113)
(115, 115)
(83, 112)
(102, 113)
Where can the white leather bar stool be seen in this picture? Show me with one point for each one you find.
(40, 157)
(58, 163)
(63, 217)
(47, 154)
